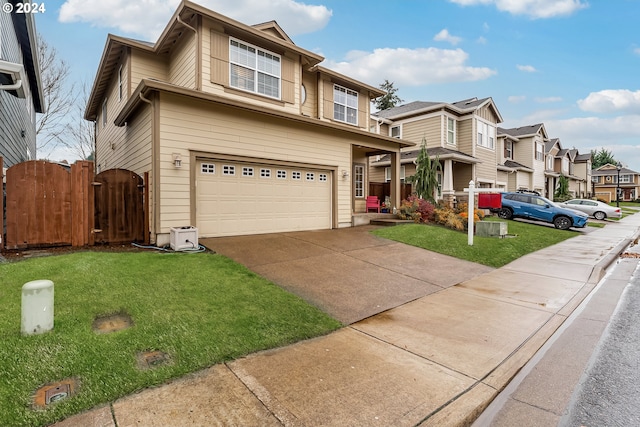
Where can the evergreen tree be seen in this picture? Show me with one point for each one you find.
(389, 100)
(562, 189)
(426, 176)
(601, 157)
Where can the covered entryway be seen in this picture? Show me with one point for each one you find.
(236, 198)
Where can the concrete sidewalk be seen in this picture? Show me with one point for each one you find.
(437, 360)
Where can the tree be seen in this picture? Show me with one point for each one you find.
(601, 158)
(426, 176)
(59, 98)
(79, 135)
(390, 99)
(562, 189)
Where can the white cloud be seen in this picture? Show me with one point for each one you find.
(532, 8)
(410, 67)
(608, 101)
(549, 99)
(481, 40)
(445, 36)
(148, 18)
(515, 99)
(526, 68)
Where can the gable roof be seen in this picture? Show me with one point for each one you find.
(610, 169)
(183, 18)
(524, 131)
(441, 152)
(582, 157)
(415, 108)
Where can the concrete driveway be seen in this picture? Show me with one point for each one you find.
(348, 273)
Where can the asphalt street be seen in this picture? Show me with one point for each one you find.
(609, 392)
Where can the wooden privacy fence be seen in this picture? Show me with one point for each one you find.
(52, 205)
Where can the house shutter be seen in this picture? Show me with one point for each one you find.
(219, 58)
(327, 100)
(288, 78)
(363, 99)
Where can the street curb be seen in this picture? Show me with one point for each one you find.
(601, 267)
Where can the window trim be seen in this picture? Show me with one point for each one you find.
(120, 83)
(387, 173)
(399, 135)
(539, 153)
(346, 106)
(358, 181)
(255, 69)
(451, 131)
(508, 149)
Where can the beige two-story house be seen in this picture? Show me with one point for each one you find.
(524, 162)
(462, 135)
(239, 130)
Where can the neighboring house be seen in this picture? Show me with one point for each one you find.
(605, 183)
(461, 134)
(240, 130)
(582, 169)
(527, 161)
(20, 86)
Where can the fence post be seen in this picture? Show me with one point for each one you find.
(1, 203)
(81, 203)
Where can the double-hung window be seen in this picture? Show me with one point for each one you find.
(451, 131)
(486, 135)
(508, 149)
(539, 152)
(345, 105)
(254, 69)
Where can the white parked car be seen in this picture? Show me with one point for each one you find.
(593, 208)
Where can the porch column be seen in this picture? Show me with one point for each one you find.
(395, 179)
(447, 183)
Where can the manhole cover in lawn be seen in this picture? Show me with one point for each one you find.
(54, 392)
(112, 323)
(152, 359)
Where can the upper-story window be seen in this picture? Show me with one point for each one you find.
(550, 162)
(486, 135)
(395, 131)
(345, 105)
(595, 178)
(254, 69)
(508, 149)
(451, 131)
(539, 152)
(626, 178)
(565, 165)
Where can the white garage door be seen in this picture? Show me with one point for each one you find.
(235, 198)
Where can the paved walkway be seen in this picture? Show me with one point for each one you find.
(436, 360)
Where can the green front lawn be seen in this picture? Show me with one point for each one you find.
(200, 309)
(491, 251)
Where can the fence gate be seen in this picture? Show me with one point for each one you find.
(119, 207)
(47, 204)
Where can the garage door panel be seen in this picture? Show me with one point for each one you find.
(262, 203)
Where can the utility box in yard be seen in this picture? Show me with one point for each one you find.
(491, 229)
(184, 238)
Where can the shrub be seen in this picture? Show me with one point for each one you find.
(449, 218)
(416, 209)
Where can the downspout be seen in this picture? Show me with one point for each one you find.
(155, 220)
(15, 86)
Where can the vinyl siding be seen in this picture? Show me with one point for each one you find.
(182, 62)
(16, 114)
(215, 72)
(147, 65)
(466, 137)
(187, 124)
(524, 152)
(429, 128)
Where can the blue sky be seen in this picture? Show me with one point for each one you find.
(573, 65)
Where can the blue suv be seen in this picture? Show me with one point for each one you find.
(531, 205)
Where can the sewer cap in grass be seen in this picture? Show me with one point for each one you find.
(112, 323)
(152, 359)
(54, 392)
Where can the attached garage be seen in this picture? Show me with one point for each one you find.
(236, 198)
